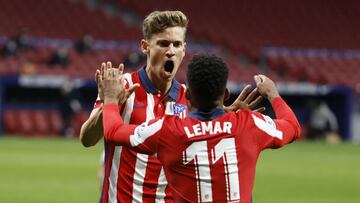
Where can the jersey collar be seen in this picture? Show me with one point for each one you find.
(150, 88)
(207, 116)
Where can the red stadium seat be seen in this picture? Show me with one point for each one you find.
(40, 122)
(10, 119)
(55, 122)
(25, 125)
(77, 121)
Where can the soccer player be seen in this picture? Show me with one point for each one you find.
(131, 176)
(209, 156)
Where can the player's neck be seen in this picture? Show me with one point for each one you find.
(160, 84)
(195, 108)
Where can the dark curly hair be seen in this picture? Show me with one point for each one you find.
(207, 76)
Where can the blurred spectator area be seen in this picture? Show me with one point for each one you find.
(247, 26)
(39, 122)
(290, 41)
(80, 66)
(70, 19)
(319, 66)
(242, 29)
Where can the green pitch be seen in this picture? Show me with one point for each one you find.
(61, 170)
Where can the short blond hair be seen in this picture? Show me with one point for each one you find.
(158, 21)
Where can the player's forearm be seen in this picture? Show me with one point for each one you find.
(92, 130)
(115, 130)
(286, 119)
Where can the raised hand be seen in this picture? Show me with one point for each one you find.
(266, 87)
(112, 85)
(246, 101)
(99, 74)
(99, 77)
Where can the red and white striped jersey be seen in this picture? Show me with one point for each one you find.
(131, 176)
(207, 157)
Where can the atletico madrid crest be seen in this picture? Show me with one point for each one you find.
(180, 110)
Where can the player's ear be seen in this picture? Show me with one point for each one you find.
(144, 46)
(226, 94)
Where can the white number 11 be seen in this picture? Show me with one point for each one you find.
(225, 149)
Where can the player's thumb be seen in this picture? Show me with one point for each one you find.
(131, 89)
(257, 80)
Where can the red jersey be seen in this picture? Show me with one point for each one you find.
(207, 157)
(131, 176)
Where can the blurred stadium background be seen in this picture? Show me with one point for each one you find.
(49, 51)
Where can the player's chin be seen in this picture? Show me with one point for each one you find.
(167, 77)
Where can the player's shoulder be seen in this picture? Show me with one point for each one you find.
(171, 118)
(182, 92)
(174, 121)
(171, 125)
(252, 118)
(246, 116)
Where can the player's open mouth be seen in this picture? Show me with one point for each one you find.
(169, 66)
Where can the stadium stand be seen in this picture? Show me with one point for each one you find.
(302, 41)
(247, 26)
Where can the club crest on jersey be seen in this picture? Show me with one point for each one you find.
(180, 110)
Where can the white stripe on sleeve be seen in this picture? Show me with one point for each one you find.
(267, 126)
(143, 131)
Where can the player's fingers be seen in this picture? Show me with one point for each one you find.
(263, 78)
(228, 108)
(250, 97)
(260, 110)
(108, 65)
(121, 68)
(131, 89)
(107, 72)
(257, 79)
(116, 73)
(112, 73)
(255, 102)
(243, 93)
(97, 73)
(102, 69)
(99, 78)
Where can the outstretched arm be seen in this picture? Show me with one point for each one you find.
(143, 137)
(92, 129)
(115, 130)
(285, 128)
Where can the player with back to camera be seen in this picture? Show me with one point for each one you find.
(211, 155)
(131, 176)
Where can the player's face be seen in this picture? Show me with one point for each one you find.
(165, 52)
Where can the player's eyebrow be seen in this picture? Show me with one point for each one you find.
(165, 42)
